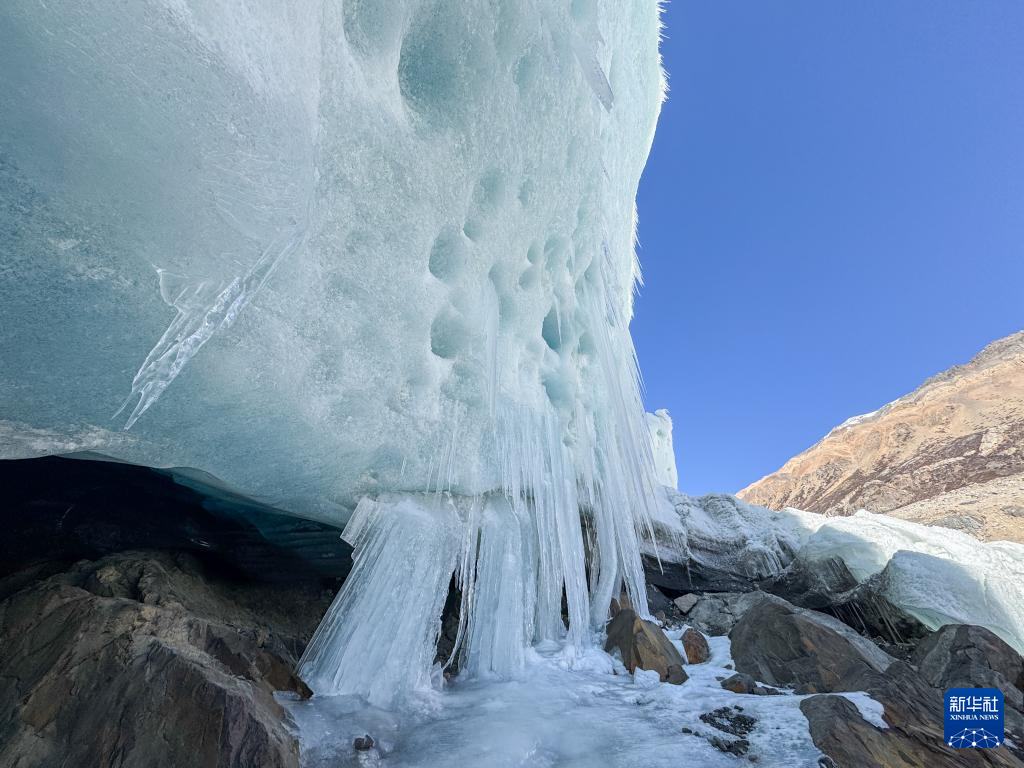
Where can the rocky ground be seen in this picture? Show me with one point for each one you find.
(777, 646)
(148, 659)
(146, 623)
(170, 655)
(950, 453)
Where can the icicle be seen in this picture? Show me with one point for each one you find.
(501, 610)
(379, 636)
(518, 548)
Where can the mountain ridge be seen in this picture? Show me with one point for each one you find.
(951, 453)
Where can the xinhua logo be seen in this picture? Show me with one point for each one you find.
(974, 717)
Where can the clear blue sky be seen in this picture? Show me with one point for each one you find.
(832, 212)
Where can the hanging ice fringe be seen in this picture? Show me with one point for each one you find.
(516, 552)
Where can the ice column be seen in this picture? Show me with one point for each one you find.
(380, 634)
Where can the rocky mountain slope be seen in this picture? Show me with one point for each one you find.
(950, 453)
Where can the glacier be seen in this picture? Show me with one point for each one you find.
(373, 264)
(352, 260)
(937, 575)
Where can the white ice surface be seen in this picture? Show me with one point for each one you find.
(938, 575)
(659, 424)
(592, 714)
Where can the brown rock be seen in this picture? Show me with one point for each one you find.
(739, 683)
(839, 731)
(642, 644)
(696, 647)
(780, 644)
(139, 659)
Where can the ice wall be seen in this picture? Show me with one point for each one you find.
(659, 424)
(326, 251)
(322, 250)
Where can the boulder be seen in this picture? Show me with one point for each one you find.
(968, 656)
(839, 731)
(657, 602)
(144, 659)
(781, 644)
(684, 603)
(695, 646)
(740, 683)
(716, 614)
(828, 586)
(712, 614)
(963, 655)
(643, 645)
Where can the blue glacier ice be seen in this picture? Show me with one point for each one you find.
(348, 257)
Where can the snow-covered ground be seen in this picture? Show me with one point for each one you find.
(587, 713)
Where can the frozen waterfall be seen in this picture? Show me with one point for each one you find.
(351, 259)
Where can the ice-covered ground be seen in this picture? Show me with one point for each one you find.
(938, 575)
(592, 714)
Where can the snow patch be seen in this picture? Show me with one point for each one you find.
(870, 709)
